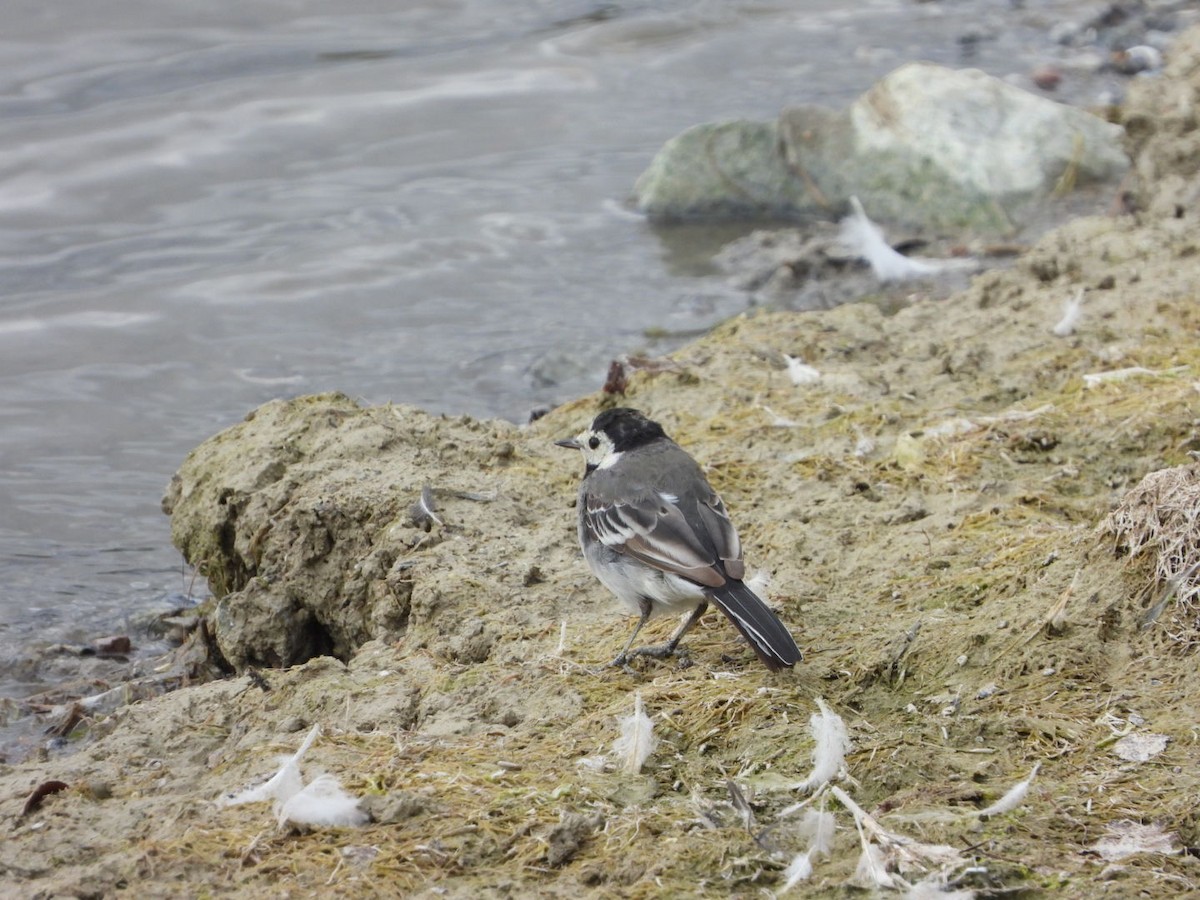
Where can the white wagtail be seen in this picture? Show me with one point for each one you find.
(657, 535)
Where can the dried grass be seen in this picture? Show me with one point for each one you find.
(1159, 521)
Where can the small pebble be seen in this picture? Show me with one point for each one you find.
(1047, 77)
(98, 789)
(1142, 58)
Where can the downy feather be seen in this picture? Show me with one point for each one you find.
(832, 742)
(637, 740)
(281, 786)
(1012, 798)
(863, 238)
(323, 802)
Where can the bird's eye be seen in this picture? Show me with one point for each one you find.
(593, 442)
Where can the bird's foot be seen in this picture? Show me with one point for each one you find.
(655, 651)
(621, 662)
(658, 651)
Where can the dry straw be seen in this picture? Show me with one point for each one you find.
(1159, 521)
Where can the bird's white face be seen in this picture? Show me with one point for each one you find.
(597, 448)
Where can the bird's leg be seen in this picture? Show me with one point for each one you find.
(662, 651)
(623, 657)
(683, 629)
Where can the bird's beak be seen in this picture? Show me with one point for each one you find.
(569, 443)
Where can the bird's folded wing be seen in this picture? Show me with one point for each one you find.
(722, 534)
(655, 531)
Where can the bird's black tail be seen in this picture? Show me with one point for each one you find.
(760, 626)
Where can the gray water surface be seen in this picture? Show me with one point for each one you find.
(205, 206)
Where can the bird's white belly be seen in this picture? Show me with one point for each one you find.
(668, 593)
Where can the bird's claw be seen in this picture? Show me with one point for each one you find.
(621, 662)
(658, 651)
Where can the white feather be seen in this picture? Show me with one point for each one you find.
(778, 421)
(323, 802)
(863, 238)
(759, 582)
(427, 507)
(872, 868)
(281, 786)
(637, 740)
(1072, 313)
(865, 445)
(818, 827)
(799, 869)
(892, 846)
(1012, 799)
(800, 372)
(1095, 379)
(592, 763)
(832, 743)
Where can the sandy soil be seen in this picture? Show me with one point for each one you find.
(932, 512)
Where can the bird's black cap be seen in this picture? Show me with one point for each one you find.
(627, 428)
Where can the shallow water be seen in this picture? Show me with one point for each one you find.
(205, 206)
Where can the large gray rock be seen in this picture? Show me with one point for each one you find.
(927, 146)
(723, 170)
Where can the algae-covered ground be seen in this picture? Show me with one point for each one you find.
(935, 513)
